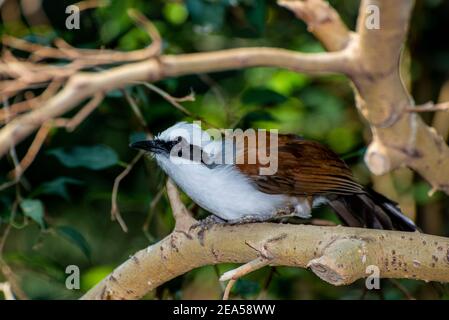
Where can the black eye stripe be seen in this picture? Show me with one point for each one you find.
(195, 153)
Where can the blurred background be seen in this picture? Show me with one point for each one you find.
(63, 216)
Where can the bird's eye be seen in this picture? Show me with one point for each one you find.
(179, 139)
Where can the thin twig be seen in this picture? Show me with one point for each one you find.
(42, 133)
(13, 154)
(115, 212)
(7, 231)
(4, 267)
(169, 98)
(135, 108)
(12, 279)
(239, 272)
(28, 104)
(73, 123)
(429, 107)
(245, 269)
(5, 287)
(32, 152)
(174, 101)
(89, 57)
(228, 289)
(150, 28)
(151, 209)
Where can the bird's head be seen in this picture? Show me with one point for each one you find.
(178, 141)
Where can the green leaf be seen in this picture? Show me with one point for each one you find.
(132, 40)
(341, 139)
(94, 157)
(207, 14)
(94, 275)
(262, 96)
(58, 187)
(137, 136)
(33, 209)
(175, 13)
(246, 288)
(76, 238)
(285, 82)
(256, 15)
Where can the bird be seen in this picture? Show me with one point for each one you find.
(306, 175)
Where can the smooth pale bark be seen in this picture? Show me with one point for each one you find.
(370, 58)
(338, 255)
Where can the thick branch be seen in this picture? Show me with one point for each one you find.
(183, 217)
(370, 58)
(338, 255)
(83, 85)
(399, 137)
(322, 20)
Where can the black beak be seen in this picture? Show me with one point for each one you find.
(156, 146)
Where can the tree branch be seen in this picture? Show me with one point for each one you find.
(370, 58)
(82, 85)
(339, 255)
(322, 20)
(183, 218)
(399, 137)
(380, 94)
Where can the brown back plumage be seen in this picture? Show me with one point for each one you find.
(309, 169)
(305, 168)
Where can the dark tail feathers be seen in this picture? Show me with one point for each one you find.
(371, 210)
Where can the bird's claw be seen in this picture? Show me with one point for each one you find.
(208, 222)
(248, 219)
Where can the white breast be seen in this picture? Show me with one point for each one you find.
(223, 190)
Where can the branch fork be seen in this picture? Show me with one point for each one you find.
(381, 97)
(264, 259)
(342, 261)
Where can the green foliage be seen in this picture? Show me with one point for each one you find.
(76, 238)
(208, 14)
(246, 288)
(342, 139)
(285, 82)
(94, 275)
(33, 209)
(175, 13)
(137, 136)
(60, 212)
(423, 193)
(57, 187)
(93, 157)
(262, 96)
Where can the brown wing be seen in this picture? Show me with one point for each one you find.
(305, 168)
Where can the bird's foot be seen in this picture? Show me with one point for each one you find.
(205, 224)
(208, 222)
(284, 213)
(248, 219)
(303, 209)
